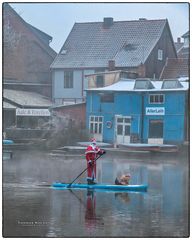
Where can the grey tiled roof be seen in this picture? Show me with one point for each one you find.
(127, 42)
(26, 98)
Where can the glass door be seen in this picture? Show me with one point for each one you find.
(96, 127)
(123, 125)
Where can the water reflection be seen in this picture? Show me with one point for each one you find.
(173, 186)
(123, 197)
(91, 218)
(161, 212)
(7, 155)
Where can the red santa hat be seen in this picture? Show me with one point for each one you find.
(93, 140)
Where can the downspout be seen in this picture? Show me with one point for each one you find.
(82, 77)
(52, 85)
(142, 116)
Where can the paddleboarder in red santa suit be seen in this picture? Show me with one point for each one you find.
(92, 153)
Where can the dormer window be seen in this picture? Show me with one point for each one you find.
(64, 51)
(171, 84)
(143, 84)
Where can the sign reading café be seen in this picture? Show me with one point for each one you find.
(32, 112)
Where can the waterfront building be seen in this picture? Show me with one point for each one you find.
(141, 46)
(139, 111)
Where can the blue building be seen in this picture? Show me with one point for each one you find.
(139, 111)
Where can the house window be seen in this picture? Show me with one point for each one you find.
(160, 54)
(68, 79)
(100, 81)
(156, 98)
(95, 124)
(107, 97)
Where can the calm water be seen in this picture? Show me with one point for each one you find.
(30, 210)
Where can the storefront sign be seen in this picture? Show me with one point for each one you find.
(32, 112)
(155, 111)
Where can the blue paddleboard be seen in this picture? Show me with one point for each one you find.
(136, 188)
(6, 141)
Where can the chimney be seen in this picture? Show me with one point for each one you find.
(107, 22)
(141, 70)
(178, 40)
(111, 65)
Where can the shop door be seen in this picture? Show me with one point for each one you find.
(96, 127)
(123, 125)
(155, 132)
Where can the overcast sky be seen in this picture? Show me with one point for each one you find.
(57, 19)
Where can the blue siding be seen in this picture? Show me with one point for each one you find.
(173, 120)
(108, 133)
(130, 104)
(174, 128)
(175, 103)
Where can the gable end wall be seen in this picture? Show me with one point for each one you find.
(155, 66)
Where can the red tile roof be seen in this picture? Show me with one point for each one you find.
(183, 53)
(175, 68)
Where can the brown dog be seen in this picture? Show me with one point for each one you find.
(124, 180)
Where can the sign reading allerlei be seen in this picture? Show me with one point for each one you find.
(32, 112)
(155, 111)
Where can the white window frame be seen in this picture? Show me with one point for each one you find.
(158, 96)
(160, 54)
(96, 121)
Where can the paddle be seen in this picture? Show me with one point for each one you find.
(82, 172)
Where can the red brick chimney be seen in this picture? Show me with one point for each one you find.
(111, 65)
(141, 70)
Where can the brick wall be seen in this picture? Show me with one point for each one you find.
(75, 112)
(25, 57)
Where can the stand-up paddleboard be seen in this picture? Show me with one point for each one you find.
(6, 141)
(136, 188)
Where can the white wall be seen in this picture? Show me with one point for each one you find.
(58, 85)
(76, 92)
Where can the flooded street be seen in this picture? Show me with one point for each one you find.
(31, 208)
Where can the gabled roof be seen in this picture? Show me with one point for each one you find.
(44, 36)
(40, 36)
(92, 45)
(175, 68)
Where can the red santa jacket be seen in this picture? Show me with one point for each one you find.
(92, 152)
